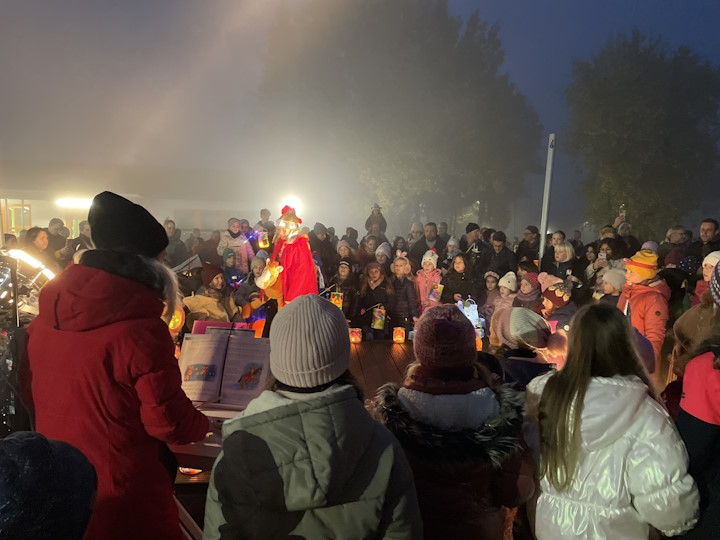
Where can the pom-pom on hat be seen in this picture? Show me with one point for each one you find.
(430, 255)
(342, 243)
(546, 280)
(121, 225)
(509, 281)
(471, 227)
(208, 273)
(444, 337)
(309, 343)
(644, 263)
(383, 249)
(714, 287)
(532, 279)
(614, 277)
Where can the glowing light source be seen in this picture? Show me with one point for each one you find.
(22, 256)
(80, 204)
(294, 202)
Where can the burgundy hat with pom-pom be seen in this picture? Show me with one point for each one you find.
(444, 337)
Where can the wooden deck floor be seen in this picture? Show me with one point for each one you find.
(374, 363)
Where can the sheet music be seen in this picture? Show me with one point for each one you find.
(247, 367)
(201, 365)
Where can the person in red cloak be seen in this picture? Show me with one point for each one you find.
(292, 252)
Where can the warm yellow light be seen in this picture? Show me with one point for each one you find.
(294, 202)
(22, 256)
(80, 204)
(48, 273)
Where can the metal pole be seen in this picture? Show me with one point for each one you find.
(546, 193)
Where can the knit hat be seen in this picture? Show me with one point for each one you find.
(121, 225)
(342, 243)
(644, 263)
(471, 227)
(493, 274)
(346, 261)
(614, 277)
(227, 252)
(690, 264)
(452, 241)
(208, 273)
(520, 328)
(674, 257)
(430, 255)
(532, 279)
(232, 221)
(262, 254)
(546, 280)
(384, 249)
(509, 281)
(47, 488)
(558, 293)
(712, 259)
(319, 228)
(309, 343)
(715, 285)
(372, 264)
(651, 245)
(444, 337)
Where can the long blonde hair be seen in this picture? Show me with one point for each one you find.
(601, 344)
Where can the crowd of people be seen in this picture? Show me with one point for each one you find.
(560, 430)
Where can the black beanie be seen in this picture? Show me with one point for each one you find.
(122, 225)
(47, 488)
(472, 227)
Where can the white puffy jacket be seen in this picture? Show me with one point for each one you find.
(632, 469)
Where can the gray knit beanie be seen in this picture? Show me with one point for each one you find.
(309, 343)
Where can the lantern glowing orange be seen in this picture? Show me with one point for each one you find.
(399, 334)
(355, 335)
(177, 321)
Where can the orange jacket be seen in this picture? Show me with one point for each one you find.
(648, 308)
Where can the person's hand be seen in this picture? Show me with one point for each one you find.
(415, 320)
(362, 311)
(457, 297)
(600, 263)
(618, 221)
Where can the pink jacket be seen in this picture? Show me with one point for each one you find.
(423, 284)
(700, 289)
(244, 253)
(648, 308)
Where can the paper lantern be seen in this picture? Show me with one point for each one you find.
(378, 318)
(337, 299)
(399, 334)
(263, 242)
(177, 321)
(478, 339)
(355, 335)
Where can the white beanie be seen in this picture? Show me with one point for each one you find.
(509, 281)
(309, 343)
(383, 248)
(430, 255)
(614, 277)
(712, 259)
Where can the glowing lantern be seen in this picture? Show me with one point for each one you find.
(478, 339)
(399, 334)
(337, 299)
(355, 335)
(263, 242)
(177, 321)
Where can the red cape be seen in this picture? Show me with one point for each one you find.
(298, 275)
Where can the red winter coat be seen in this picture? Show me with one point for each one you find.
(298, 275)
(104, 379)
(648, 305)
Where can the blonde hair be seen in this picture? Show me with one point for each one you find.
(569, 251)
(602, 344)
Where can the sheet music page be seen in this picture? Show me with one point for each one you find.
(201, 365)
(247, 367)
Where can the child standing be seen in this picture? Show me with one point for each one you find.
(708, 265)
(530, 296)
(489, 295)
(612, 285)
(459, 283)
(405, 313)
(376, 291)
(427, 280)
(382, 256)
(346, 283)
(508, 288)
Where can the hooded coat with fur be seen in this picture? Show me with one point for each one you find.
(104, 378)
(463, 475)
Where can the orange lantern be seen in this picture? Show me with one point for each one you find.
(177, 321)
(478, 340)
(355, 335)
(399, 334)
(263, 242)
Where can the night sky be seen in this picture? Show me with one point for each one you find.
(173, 83)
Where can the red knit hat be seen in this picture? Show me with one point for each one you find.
(208, 273)
(558, 293)
(532, 279)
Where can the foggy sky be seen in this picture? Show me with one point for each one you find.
(173, 83)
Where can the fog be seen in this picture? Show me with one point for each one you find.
(167, 99)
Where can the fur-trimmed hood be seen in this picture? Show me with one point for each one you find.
(494, 442)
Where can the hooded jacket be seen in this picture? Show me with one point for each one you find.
(462, 283)
(177, 252)
(423, 284)
(463, 474)
(632, 469)
(104, 379)
(647, 306)
(239, 243)
(317, 468)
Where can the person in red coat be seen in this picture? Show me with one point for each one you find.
(292, 250)
(103, 376)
